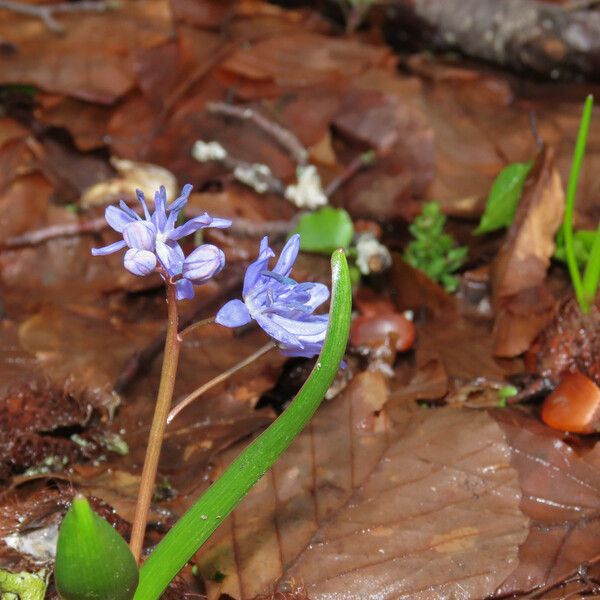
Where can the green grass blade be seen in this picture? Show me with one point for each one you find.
(199, 522)
(591, 276)
(578, 155)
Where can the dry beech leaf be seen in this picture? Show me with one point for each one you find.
(561, 494)
(410, 504)
(523, 306)
(94, 58)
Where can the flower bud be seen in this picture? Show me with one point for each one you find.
(203, 263)
(139, 262)
(92, 559)
(140, 235)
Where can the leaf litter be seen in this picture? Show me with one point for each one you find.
(387, 494)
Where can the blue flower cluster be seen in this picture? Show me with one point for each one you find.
(153, 241)
(283, 308)
(280, 305)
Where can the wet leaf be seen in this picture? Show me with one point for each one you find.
(561, 494)
(391, 502)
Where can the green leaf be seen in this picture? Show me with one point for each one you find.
(578, 154)
(591, 276)
(23, 586)
(199, 522)
(93, 562)
(504, 198)
(583, 240)
(325, 230)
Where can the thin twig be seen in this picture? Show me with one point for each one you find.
(578, 573)
(38, 236)
(187, 330)
(46, 12)
(219, 379)
(284, 137)
(366, 159)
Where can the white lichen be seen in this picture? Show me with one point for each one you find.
(206, 151)
(371, 255)
(308, 190)
(255, 176)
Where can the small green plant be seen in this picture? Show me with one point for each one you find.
(585, 285)
(433, 251)
(92, 560)
(503, 199)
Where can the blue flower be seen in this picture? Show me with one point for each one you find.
(152, 241)
(280, 305)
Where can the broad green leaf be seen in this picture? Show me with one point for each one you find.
(325, 230)
(199, 522)
(23, 586)
(92, 560)
(504, 198)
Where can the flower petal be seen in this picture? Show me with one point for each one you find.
(203, 263)
(277, 332)
(140, 262)
(117, 218)
(184, 290)
(170, 255)
(233, 314)
(109, 249)
(142, 200)
(140, 235)
(288, 256)
(197, 223)
(303, 328)
(159, 218)
(181, 201)
(254, 270)
(308, 351)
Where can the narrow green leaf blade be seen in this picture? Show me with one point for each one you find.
(578, 155)
(93, 562)
(504, 198)
(591, 276)
(199, 522)
(325, 230)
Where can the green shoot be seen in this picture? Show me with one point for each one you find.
(199, 522)
(578, 155)
(433, 251)
(591, 275)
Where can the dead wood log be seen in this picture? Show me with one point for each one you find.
(552, 40)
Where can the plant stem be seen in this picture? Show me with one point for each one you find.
(218, 379)
(159, 421)
(570, 203)
(198, 523)
(187, 330)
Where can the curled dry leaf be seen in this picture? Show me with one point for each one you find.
(419, 504)
(521, 264)
(131, 176)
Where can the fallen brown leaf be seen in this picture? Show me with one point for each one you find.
(521, 264)
(421, 506)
